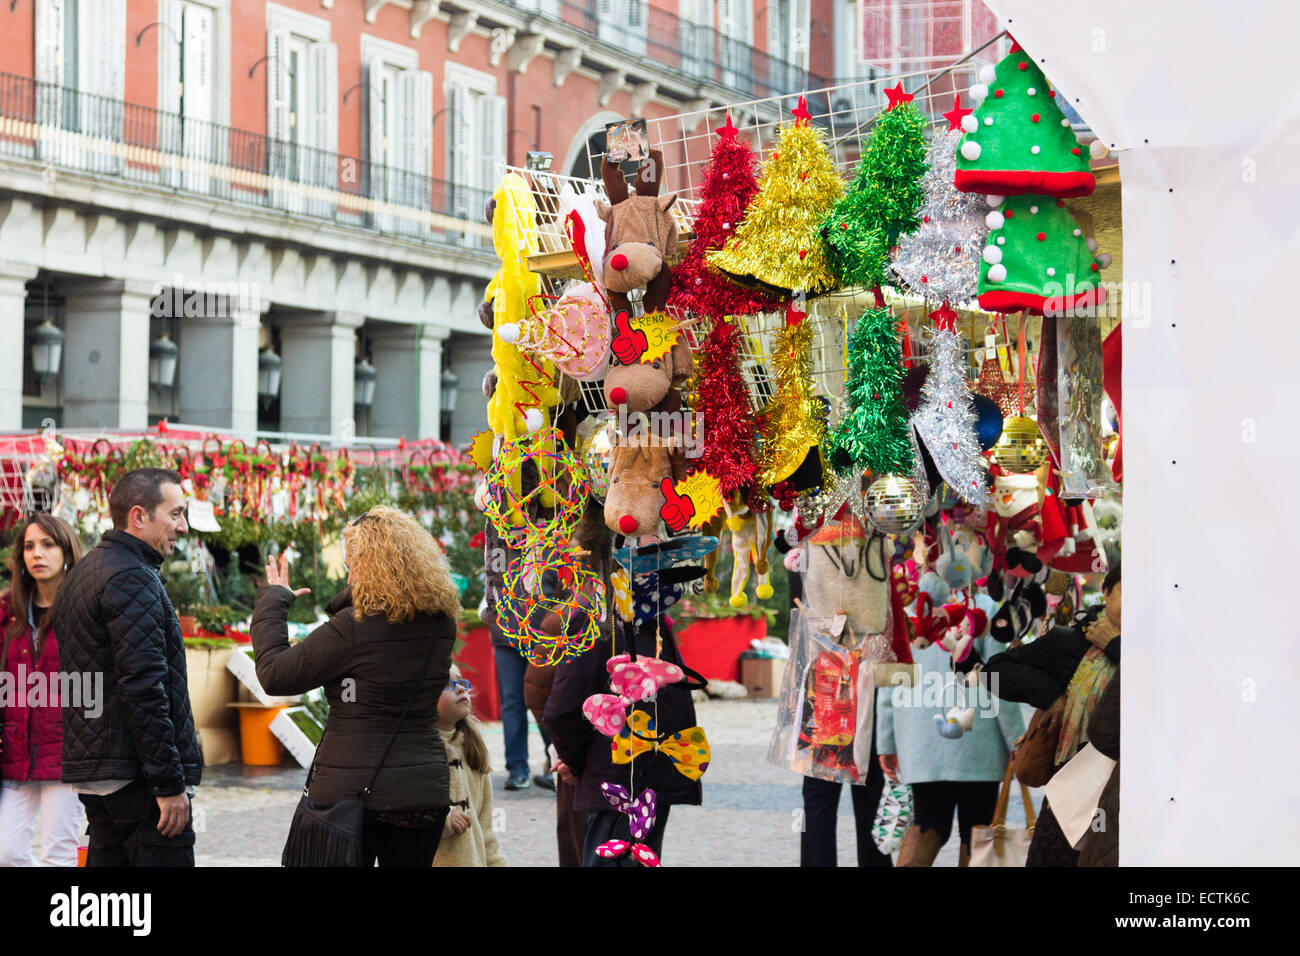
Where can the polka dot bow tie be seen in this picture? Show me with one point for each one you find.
(688, 750)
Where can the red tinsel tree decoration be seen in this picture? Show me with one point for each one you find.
(723, 405)
(728, 186)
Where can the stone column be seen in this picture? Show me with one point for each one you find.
(106, 354)
(217, 375)
(13, 297)
(316, 387)
(408, 390)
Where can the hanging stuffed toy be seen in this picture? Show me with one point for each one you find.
(640, 235)
(525, 389)
(751, 539)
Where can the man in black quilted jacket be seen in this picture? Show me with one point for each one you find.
(134, 758)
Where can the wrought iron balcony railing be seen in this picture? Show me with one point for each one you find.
(65, 128)
(667, 39)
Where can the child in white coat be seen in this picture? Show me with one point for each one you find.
(467, 837)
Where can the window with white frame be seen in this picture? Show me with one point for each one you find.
(194, 87)
(736, 42)
(550, 8)
(623, 23)
(80, 60)
(476, 140)
(696, 18)
(399, 135)
(302, 111)
(788, 42)
(848, 63)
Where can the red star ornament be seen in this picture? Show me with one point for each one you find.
(728, 132)
(956, 114)
(801, 114)
(897, 97)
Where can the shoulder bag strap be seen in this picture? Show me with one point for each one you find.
(1004, 795)
(1029, 806)
(389, 746)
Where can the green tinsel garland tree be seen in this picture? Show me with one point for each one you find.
(883, 201)
(873, 434)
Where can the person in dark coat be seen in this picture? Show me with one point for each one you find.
(135, 758)
(570, 824)
(373, 652)
(586, 753)
(1100, 846)
(1064, 672)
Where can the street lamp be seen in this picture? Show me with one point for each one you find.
(365, 377)
(47, 349)
(269, 366)
(163, 354)
(448, 406)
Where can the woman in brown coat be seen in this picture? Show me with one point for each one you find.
(400, 606)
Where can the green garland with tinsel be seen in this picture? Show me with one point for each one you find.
(873, 434)
(883, 201)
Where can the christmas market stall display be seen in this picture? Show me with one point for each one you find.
(246, 502)
(883, 349)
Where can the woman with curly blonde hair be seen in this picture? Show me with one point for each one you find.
(388, 641)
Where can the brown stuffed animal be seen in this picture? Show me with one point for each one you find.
(640, 235)
(642, 386)
(637, 469)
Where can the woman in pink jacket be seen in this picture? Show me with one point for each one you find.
(31, 760)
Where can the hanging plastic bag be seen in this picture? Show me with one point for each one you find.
(893, 817)
(1084, 472)
(817, 706)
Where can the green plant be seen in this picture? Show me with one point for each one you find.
(215, 618)
(184, 588)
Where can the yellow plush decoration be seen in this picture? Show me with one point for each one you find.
(522, 384)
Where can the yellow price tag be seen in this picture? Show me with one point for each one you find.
(480, 450)
(660, 335)
(691, 502)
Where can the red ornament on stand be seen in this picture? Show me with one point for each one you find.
(725, 193)
(723, 406)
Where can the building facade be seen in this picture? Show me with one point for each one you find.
(245, 190)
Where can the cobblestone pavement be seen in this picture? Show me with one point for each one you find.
(749, 817)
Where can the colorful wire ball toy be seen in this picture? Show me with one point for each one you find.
(560, 475)
(545, 590)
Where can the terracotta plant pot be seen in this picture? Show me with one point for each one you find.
(189, 625)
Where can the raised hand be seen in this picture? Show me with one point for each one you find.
(277, 575)
(678, 509)
(629, 344)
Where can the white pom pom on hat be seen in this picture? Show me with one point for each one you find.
(997, 273)
(970, 150)
(992, 255)
(994, 220)
(988, 74)
(969, 123)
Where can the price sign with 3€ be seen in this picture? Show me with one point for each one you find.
(643, 338)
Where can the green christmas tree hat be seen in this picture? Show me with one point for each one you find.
(882, 203)
(1036, 259)
(1018, 140)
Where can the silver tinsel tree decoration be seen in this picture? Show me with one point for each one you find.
(946, 419)
(941, 259)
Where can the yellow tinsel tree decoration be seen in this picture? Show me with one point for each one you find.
(778, 246)
(796, 417)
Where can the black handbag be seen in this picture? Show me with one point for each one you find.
(331, 834)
